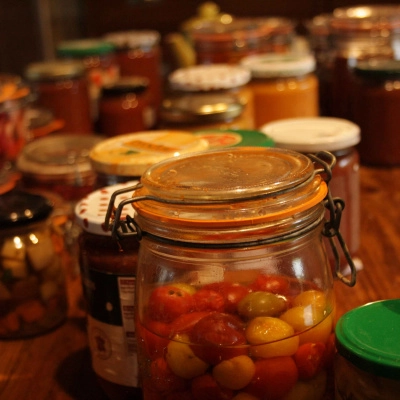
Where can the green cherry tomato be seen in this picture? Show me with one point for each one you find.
(257, 304)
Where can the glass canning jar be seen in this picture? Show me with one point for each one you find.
(283, 86)
(368, 351)
(33, 296)
(108, 271)
(341, 137)
(234, 289)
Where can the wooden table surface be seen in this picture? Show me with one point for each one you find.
(56, 366)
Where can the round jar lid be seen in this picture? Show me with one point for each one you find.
(201, 108)
(58, 155)
(380, 69)
(54, 70)
(234, 137)
(125, 85)
(368, 337)
(132, 154)
(90, 212)
(313, 134)
(209, 77)
(279, 65)
(134, 39)
(84, 47)
(22, 208)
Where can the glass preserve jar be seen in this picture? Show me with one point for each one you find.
(33, 296)
(108, 271)
(368, 351)
(234, 289)
(283, 86)
(341, 137)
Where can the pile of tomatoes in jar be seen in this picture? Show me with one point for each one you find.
(271, 338)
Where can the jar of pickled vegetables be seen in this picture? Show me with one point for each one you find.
(234, 290)
(368, 352)
(32, 281)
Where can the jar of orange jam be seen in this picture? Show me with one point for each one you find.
(283, 86)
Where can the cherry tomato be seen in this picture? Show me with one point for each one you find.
(168, 302)
(218, 337)
(205, 387)
(232, 293)
(185, 322)
(273, 378)
(153, 337)
(257, 304)
(162, 379)
(208, 300)
(309, 359)
(271, 283)
(187, 395)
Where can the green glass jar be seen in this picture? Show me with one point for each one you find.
(367, 364)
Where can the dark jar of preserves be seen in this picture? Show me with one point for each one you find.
(341, 137)
(125, 107)
(108, 271)
(63, 88)
(33, 297)
(232, 270)
(376, 101)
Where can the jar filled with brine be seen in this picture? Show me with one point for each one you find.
(108, 271)
(234, 288)
(368, 351)
(211, 96)
(283, 86)
(33, 296)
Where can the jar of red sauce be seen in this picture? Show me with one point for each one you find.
(125, 106)
(234, 289)
(215, 94)
(359, 33)
(283, 86)
(231, 39)
(108, 271)
(138, 53)
(99, 60)
(63, 88)
(341, 138)
(126, 157)
(376, 101)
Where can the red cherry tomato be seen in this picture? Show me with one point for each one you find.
(271, 283)
(273, 379)
(205, 387)
(216, 336)
(168, 302)
(208, 300)
(232, 293)
(309, 359)
(162, 379)
(153, 337)
(179, 396)
(185, 322)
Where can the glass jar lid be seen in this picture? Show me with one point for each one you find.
(91, 210)
(209, 77)
(132, 154)
(22, 208)
(80, 48)
(201, 108)
(134, 39)
(58, 155)
(54, 70)
(313, 134)
(368, 336)
(380, 69)
(279, 65)
(125, 85)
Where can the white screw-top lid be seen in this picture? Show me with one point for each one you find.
(209, 77)
(313, 134)
(90, 212)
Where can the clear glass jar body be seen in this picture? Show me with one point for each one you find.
(352, 382)
(179, 355)
(33, 296)
(284, 97)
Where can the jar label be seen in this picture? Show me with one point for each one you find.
(111, 326)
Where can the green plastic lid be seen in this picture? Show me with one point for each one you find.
(369, 337)
(84, 47)
(235, 137)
